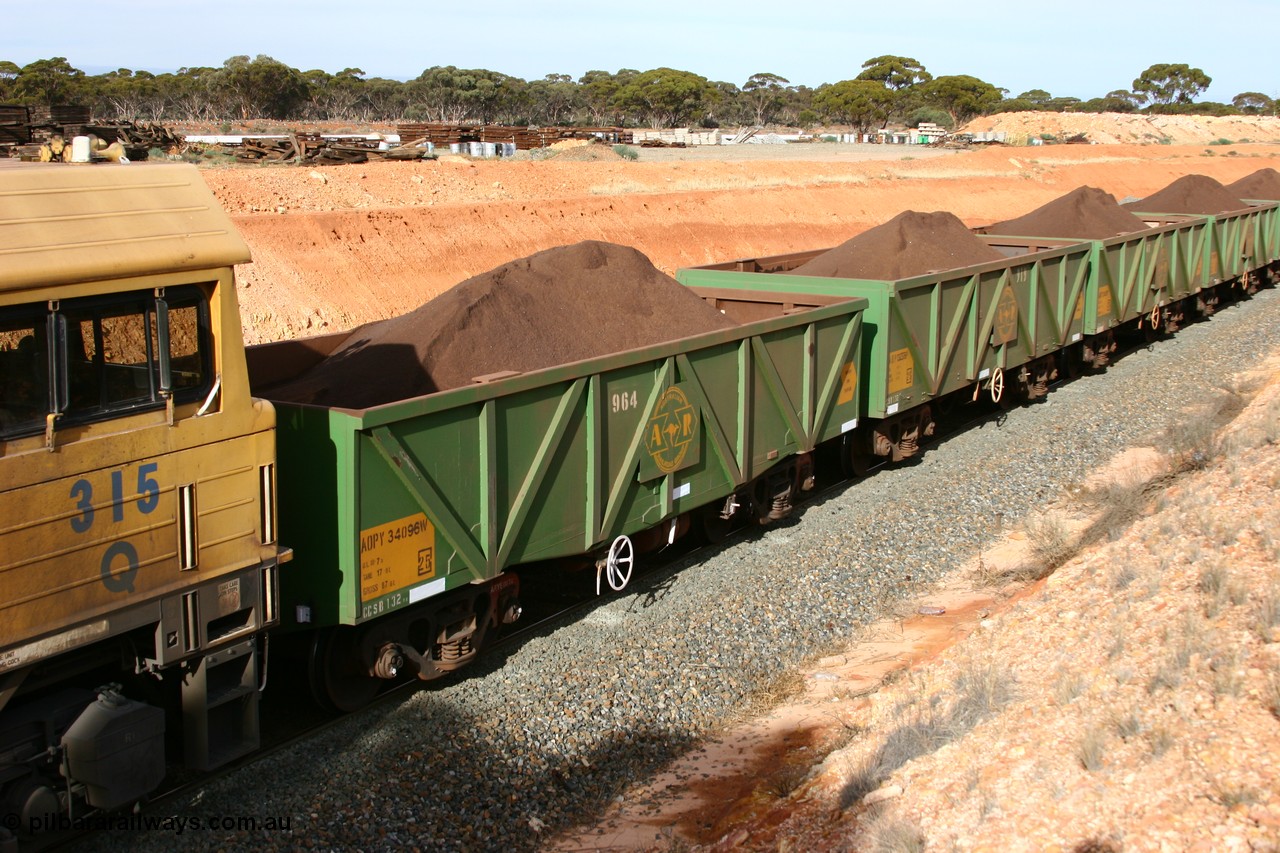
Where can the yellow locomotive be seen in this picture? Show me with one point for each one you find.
(138, 553)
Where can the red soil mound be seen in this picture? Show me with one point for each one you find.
(1087, 213)
(1189, 194)
(554, 307)
(908, 245)
(1263, 184)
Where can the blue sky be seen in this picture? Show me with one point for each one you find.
(1085, 48)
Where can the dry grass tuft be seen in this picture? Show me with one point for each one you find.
(1232, 795)
(1194, 443)
(1095, 845)
(895, 835)
(1271, 694)
(785, 780)
(1128, 726)
(928, 722)
(1161, 740)
(786, 685)
(1266, 617)
(1093, 749)
(1219, 588)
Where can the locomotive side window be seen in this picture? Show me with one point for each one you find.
(188, 347)
(24, 371)
(110, 355)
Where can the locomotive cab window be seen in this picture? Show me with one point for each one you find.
(24, 371)
(107, 356)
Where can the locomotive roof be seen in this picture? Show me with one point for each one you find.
(61, 224)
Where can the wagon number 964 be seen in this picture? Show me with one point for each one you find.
(148, 490)
(625, 401)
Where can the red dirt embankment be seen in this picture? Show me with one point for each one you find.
(340, 246)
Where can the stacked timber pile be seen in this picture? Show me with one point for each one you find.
(65, 120)
(15, 126)
(443, 134)
(1189, 194)
(680, 137)
(557, 306)
(1086, 213)
(906, 246)
(1263, 185)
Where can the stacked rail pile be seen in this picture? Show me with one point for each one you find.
(309, 148)
(137, 138)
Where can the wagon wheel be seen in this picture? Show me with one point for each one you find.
(713, 527)
(997, 385)
(622, 557)
(338, 681)
(854, 458)
(1071, 359)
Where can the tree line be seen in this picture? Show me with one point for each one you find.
(888, 88)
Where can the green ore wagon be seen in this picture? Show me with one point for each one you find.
(403, 517)
(942, 336)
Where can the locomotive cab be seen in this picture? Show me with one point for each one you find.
(138, 553)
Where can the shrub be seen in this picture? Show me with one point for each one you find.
(626, 152)
(1093, 748)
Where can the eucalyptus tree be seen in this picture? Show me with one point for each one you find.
(765, 94)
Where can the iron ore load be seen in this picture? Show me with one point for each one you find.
(1070, 276)
(576, 407)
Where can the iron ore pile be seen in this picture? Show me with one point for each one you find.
(1087, 213)
(1190, 194)
(555, 307)
(908, 245)
(1262, 184)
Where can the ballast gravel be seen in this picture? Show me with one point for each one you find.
(545, 735)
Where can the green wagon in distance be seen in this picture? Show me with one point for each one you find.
(1232, 248)
(1141, 277)
(994, 328)
(406, 516)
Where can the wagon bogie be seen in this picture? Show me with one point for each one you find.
(348, 665)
